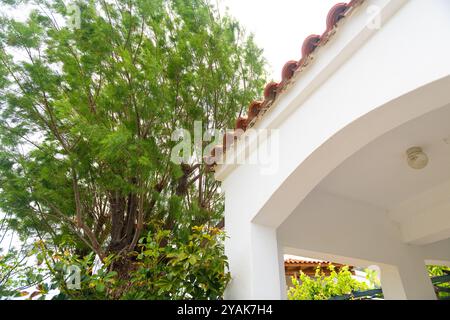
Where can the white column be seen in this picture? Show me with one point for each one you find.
(408, 281)
(254, 260)
(281, 272)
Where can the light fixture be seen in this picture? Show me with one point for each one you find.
(417, 159)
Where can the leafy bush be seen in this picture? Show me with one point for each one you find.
(163, 268)
(11, 264)
(323, 287)
(192, 270)
(18, 273)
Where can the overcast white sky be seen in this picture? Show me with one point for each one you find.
(280, 26)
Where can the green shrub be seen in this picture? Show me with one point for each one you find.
(323, 287)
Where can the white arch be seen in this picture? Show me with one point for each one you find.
(347, 142)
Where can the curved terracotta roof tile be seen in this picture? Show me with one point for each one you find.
(336, 13)
(289, 70)
(310, 44)
(254, 109)
(241, 123)
(295, 261)
(270, 92)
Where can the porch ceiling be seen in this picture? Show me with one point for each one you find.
(380, 176)
(379, 173)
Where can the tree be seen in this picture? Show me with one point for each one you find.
(323, 287)
(88, 110)
(17, 274)
(11, 264)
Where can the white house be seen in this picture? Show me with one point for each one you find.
(339, 184)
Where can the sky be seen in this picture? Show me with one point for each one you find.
(280, 26)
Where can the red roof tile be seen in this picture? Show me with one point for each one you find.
(295, 261)
(273, 89)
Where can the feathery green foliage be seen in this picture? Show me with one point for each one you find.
(87, 112)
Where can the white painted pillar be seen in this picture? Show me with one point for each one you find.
(255, 265)
(408, 281)
(281, 272)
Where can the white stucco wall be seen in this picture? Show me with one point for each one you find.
(364, 83)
